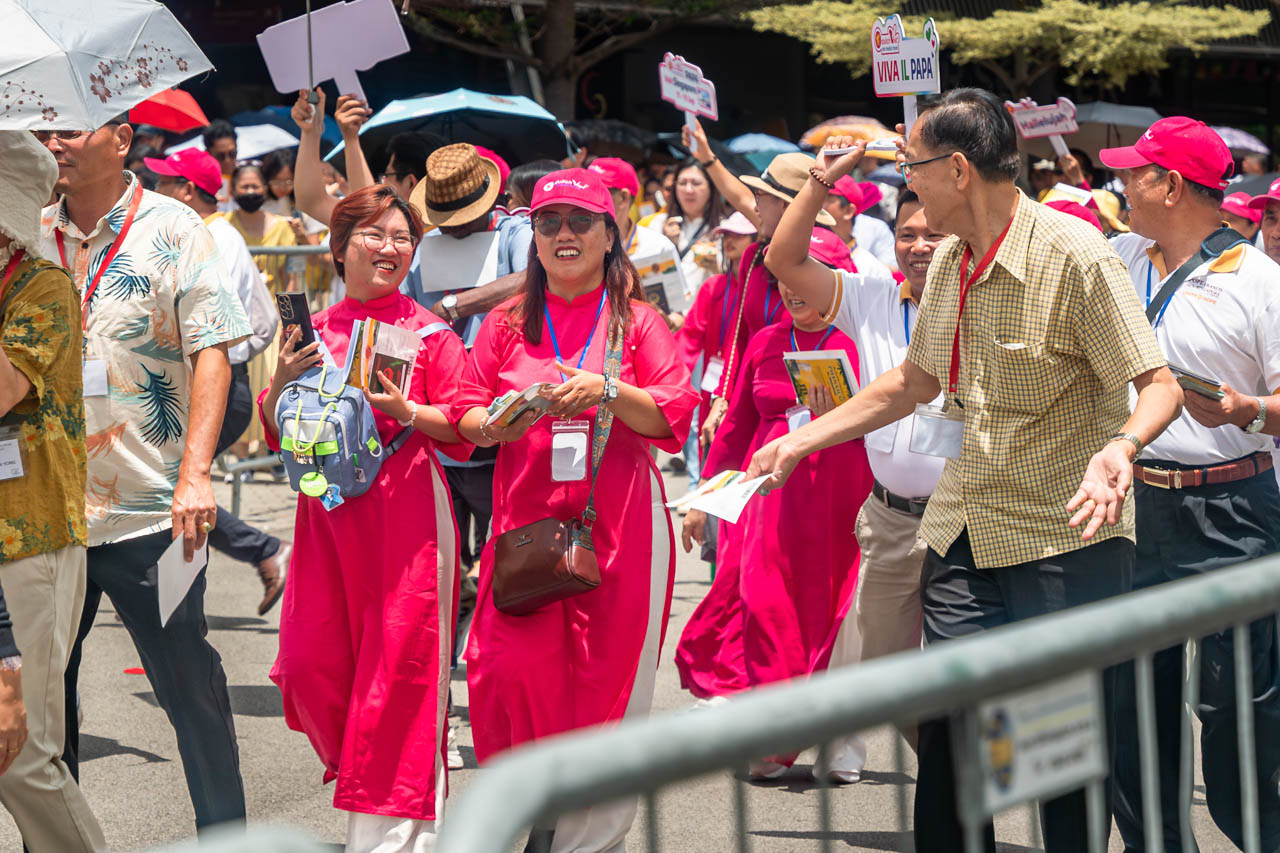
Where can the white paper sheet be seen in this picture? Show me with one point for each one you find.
(175, 576)
(724, 496)
(450, 264)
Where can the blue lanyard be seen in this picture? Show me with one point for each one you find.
(555, 344)
(906, 329)
(725, 311)
(795, 347)
(1164, 307)
(768, 315)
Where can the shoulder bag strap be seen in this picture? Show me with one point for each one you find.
(600, 436)
(1213, 246)
(404, 434)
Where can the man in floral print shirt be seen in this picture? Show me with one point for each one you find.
(159, 315)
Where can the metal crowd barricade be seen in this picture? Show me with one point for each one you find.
(640, 757)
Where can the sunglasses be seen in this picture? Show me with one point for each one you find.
(549, 224)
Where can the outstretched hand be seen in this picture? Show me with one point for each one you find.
(1100, 498)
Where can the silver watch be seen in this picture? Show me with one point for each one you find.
(1256, 425)
(450, 306)
(610, 390)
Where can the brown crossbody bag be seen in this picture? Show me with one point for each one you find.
(549, 560)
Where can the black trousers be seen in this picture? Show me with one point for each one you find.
(959, 600)
(1183, 533)
(471, 490)
(184, 670)
(233, 537)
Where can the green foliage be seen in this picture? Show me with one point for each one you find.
(1104, 45)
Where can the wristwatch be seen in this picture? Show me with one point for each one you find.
(1129, 437)
(450, 306)
(1256, 425)
(610, 390)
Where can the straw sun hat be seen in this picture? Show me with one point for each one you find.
(460, 186)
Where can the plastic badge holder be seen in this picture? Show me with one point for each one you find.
(938, 430)
(798, 416)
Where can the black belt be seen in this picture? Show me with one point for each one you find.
(911, 506)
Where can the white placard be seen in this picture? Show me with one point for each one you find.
(1035, 121)
(903, 66)
(447, 263)
(683, 85)
(174, 576)
(1041, 742)
(345, 38)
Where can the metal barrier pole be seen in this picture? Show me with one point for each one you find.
(820, 768)
(651, 820)
(899, 765)
(1095, 809)
(1187, 754)
(1153, 832)
(740, 808)
(1244, 739)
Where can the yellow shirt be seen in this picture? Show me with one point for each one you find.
(1051, 336)
(43, 510)
(278, 232)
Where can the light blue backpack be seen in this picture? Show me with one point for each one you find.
(329, 440)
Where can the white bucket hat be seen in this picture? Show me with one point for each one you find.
(27, 175)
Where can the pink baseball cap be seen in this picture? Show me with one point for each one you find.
(1179, 144)
(871, 196)
(503, 168)
(826, 246)
(579, 187)
(1077, 210)
(191, 164)
(736, 224)
(850, 190)
(1238, 203)
(1259, 202)
(617, 173)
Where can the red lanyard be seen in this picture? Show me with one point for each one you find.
(965, 283)
(8, 271)
(108, 258)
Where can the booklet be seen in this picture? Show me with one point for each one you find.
(724, 495)
(662, 282)
(1196, 383)
(376, 346)
(829, 368)
(507, 409)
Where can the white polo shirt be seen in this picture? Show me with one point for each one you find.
(879, 317)
(1223, 323)
(876, 237)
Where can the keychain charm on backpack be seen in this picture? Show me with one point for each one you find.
(332, 497)
(313, 484)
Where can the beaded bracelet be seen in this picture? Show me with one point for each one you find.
(485, 432)
(813, 173)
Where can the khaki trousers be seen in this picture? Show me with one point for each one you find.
(888, 599)
(44, 594)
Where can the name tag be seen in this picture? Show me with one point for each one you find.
(798, 416)
(11, 466)
(569, 443)
(711, 374)
(938, 430)
(95, 377)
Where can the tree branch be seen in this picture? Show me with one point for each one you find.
(431, 31)
(617, 43)
(1000, 74)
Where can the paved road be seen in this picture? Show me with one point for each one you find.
(134, 781)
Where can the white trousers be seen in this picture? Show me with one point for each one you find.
(375, 833)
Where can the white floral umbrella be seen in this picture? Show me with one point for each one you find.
(75, 64)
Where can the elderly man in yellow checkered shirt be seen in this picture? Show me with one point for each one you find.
(1030, 328)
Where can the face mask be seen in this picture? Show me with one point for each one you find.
(250, 202)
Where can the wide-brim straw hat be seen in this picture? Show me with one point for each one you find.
(786, 176)
(460, 186)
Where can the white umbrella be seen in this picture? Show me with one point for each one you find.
(75, 64)
(252, 141)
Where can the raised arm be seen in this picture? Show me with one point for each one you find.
(351, 113)
(734, 191)
(308, 183)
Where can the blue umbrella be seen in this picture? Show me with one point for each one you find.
(751, 143)
(518, 129)
(279, 116)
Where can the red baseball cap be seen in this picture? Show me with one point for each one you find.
(827, 247)
(850, 190)
(1238, 203)
(1179, 144)
(871, 195)
(1259, 202)
(191, 164)
(1077, 210)
(617, 173)
(579, 187)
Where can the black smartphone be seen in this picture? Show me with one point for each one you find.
(293, 311)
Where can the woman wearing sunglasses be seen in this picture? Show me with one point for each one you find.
(591, 658)
(366, 627)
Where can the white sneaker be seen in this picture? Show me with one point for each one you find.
(454, 756)
(714, 701)
(763, 769)
(848, 756)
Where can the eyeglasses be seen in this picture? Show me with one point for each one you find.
(43, 136)
(390, 175)
(283, 183)
(548, 224)
(904, 169)
(375, 240)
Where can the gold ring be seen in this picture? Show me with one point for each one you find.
(206, 527)
(13, 750)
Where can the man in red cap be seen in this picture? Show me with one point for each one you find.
(193, 177)
(1205, 494)
(863, 234)
(1237, 213)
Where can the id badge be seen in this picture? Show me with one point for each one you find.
(569, 443)
(938, 430)
(11, 456)
(711, 374)
(798, 416)
(95, 377)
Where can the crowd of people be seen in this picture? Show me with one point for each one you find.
(1020, 440)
